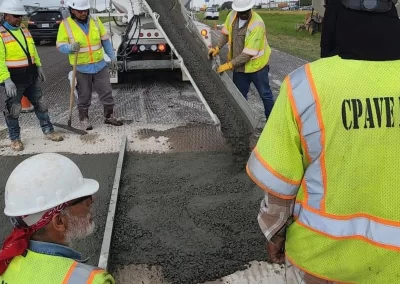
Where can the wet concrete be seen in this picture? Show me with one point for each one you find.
(194, 54)
(193, 214)
(98, 167)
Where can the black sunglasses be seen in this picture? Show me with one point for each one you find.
(78, 200)
(17, 16)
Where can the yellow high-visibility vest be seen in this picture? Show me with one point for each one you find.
(35, 268)
(12, 53)
(91, 50)
(331, 143)
(256, 43)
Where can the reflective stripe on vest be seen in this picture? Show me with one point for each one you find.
(81, 273)
(7, 39)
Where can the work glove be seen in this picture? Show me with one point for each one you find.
(11, 89)
(114, 65)
(276, 250)
(212, 52)
(75, 47)
(42, 77)
(225, 67)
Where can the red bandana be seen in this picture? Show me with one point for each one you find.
(17, 242)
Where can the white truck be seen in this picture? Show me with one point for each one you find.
(139, 40)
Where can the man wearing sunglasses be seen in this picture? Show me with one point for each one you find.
(20, 72)
(50, 209)
(85, 36)
(249, 52)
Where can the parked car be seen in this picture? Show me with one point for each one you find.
(44, 24)
(211, 13)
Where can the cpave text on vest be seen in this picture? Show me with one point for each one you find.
(370, 113)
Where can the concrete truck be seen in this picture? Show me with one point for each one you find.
(139, 40)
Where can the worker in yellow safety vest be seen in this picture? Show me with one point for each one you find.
(49, 203)
(328, 156)
(249, 51)
(20, 72)
(84, 36)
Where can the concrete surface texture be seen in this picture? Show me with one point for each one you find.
(192, 214)
(194, 54)
(98, 167)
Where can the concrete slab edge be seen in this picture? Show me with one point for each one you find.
(105, 248)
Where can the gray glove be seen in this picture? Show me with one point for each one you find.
(11, 89)
(42, 77)
(75, 47)
(114, 65)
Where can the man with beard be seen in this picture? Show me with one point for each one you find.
(85, 36)
(327, 158)
(244, 31)
(49, 203)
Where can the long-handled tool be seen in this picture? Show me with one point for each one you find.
(71, 103)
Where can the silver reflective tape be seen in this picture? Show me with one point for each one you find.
(357, 226)
(269, 180)
(81, 273)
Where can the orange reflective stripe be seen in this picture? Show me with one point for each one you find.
(93, 275)
(68, 276)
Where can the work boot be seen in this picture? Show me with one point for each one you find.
(54, 136)
(113, 121)
(16, 145)
(86, 125)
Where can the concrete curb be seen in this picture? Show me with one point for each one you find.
(105, 247)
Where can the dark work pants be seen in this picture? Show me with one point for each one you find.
(261, 82)
(32, 91)
(101, 84)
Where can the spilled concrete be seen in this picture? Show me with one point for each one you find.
(194, 53)
(98, 167)
(192, 214)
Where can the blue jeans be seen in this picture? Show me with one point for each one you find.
(32, 91)
(261, 81)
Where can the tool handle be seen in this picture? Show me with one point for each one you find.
(72, 95)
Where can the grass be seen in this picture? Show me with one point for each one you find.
(281, 32)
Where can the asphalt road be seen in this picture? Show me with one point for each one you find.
(98, 167)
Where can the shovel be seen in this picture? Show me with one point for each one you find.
(71, 103)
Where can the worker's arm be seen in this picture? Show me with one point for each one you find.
(4, 73)
(252, 47)
(63, 44)
(101, 277)
(37, 58)
(105, 41)
(223, 39)
(276, 166)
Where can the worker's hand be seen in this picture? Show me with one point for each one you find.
(225, 67)
(276, 250)
(212, 52)
(11, 89)
(42, 77)
(114, 65)
(75, 47)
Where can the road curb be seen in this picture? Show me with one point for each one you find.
(105, 247)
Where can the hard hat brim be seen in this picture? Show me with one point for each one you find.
(83, 8)
(18, 13)
(242, 9)
(89, 187)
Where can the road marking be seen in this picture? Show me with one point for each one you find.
(105, 247)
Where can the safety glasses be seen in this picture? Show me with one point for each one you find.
(17, 16)
(79, 200)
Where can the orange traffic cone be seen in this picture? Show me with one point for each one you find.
(26, 105)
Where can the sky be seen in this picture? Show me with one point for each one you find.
(100, 3)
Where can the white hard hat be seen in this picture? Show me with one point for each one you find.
(243, 5)
(43, 182)
(13, 7)
(79, 5)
